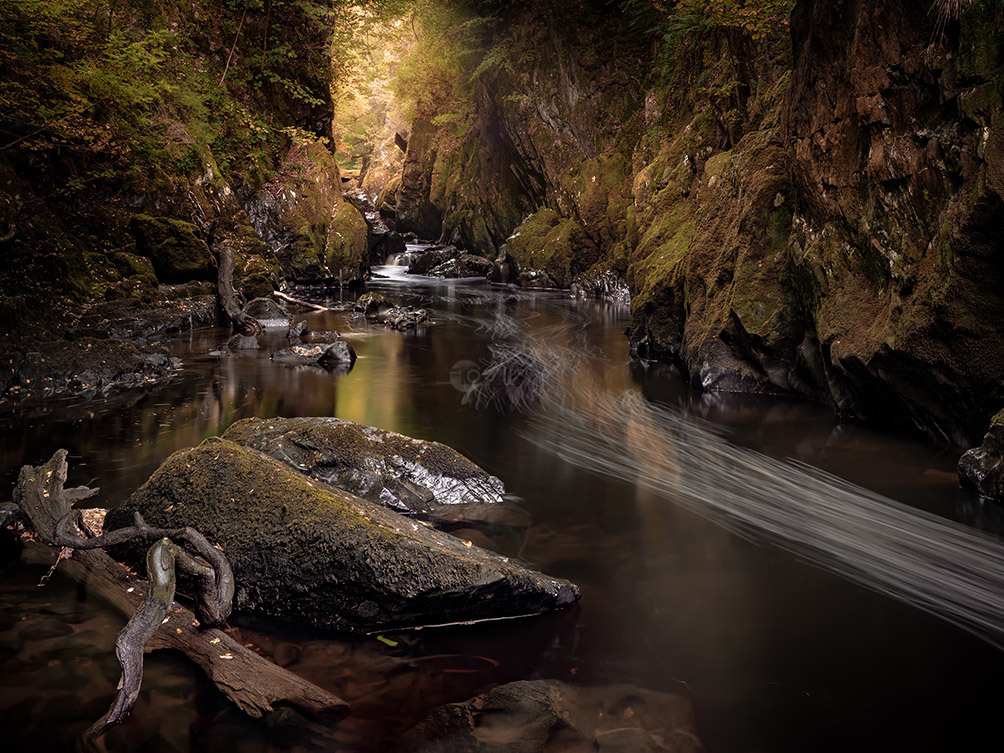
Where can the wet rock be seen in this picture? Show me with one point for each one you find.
(124, 319)
(243, 342)
(371, 304)
(303, 550)
(298, 331)
(174, 248)
(268, 312)
(466, 265)
(536, 278)
(382, 466)
(428, 260)
(305, 355)
(505, 269)
(981, 469)
(607, 285)
(404, 317)
(88, 366)
(544, 715)
(328, 335)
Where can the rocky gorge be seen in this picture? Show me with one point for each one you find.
(527, 375)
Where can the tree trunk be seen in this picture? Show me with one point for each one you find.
(244, 324)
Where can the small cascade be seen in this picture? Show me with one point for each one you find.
(412, 250)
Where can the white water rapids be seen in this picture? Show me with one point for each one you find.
(942, 567)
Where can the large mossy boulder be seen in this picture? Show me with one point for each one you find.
(535, 716)
(174, 248)
(981, 469)
(315, 233)
(382, 466)
(305, 551)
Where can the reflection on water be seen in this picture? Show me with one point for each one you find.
(776, 655)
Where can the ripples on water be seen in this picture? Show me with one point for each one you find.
(628, 483)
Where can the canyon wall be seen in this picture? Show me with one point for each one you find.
(816, 211)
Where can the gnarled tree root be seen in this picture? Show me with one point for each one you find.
(252, 683)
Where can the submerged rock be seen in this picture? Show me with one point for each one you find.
(545, 715)
(981, 469)
(243, 342)
(269, 313)
(336, 353)
(382, 466)
(87, 366)
(303, 550)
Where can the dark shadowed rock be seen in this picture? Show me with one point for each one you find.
(305, 355)
(382, 466)
(425, 262)
(298, 331)
(174, 247)
(87, 366)
(243, 342)
(303, 550)
(268, 312)
(547, 715)
(981, 469)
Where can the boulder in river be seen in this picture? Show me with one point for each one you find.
(535, 716)
(336, 353)
(425, 262)
(981, 469)
(298, 331)
(382, 466)
(371, 304)
(243, 342)
(466, 265)
(268, 313)
(404, 317)
(305, 551)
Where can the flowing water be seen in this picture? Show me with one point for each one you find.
(797, 610)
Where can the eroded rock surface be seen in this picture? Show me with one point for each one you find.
(981, 469)
(382, 466)
(547, 715)
(87, 366)
(303, 550)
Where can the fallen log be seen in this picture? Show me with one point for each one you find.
(254, 684)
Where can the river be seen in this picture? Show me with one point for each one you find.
(778, 649)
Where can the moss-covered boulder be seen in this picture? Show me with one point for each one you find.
(552, 244)
(174, 248)
(382, 466)
(346, 250)
(303, 550)
(315, 233)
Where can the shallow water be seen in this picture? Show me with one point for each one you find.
(775, 654)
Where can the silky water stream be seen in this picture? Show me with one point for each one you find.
(798, 611)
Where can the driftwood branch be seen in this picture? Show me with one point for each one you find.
(254, 684)
(298, 301)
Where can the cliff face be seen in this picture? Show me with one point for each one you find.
(193, 111)
(820, 216)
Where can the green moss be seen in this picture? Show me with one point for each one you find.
(347, 249)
